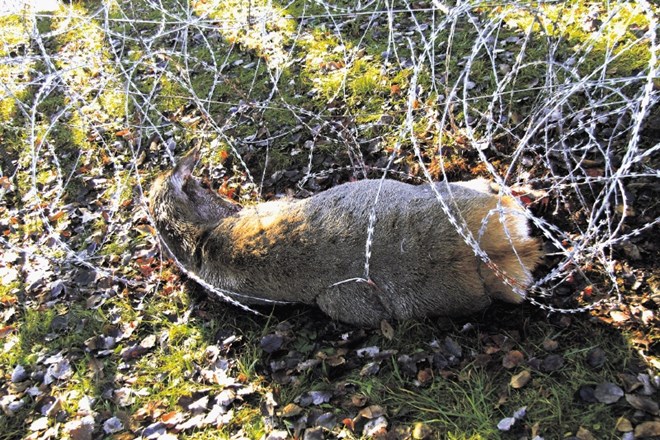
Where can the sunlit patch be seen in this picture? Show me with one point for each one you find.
(28, 6)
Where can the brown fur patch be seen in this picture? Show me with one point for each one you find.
(261, 228)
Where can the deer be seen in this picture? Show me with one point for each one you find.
(362, 251)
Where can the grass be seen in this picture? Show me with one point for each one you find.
(91, 121)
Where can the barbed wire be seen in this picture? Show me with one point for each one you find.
(568, 96)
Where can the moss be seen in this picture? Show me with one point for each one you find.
(38, 334)
(172, 96)
(114, 102)
(242, 26)
(595, 42)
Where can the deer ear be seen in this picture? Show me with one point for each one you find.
(184, 167)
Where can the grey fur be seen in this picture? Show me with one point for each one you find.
(304, 250)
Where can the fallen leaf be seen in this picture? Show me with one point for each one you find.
(348, 422)
(6, 330)
(643, 403)
(584, 434)
(623, 425)
(39, 424)
(608, 393)
(452, 348)
(80, 429)
(367, 351)
(648, 429)
(359, 400)
(199, 405)
(271, 343)
(326, 420)
(307, 365)
(56, 216)
(315, 398)
(521, 379)
(193, 422)
(290, 410)
(372, 412)
(315, 433)
(587, 393)
(112, 425)
(155, 430)
(506, 423)
(277, 435)
(226, 397)
(387, 330)
(173, 418)
(550, 344)
(58, 371)
(19, 374)
(596, 357)
(425, 376)
(619, 316)
(370, 369)
(421, 431)
(552, 362)
(512, 359)
(375, 427)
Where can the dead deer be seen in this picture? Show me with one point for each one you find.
(313, 251)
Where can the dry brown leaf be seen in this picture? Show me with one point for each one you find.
(372, 412)
(648, 429)
(512, 359)
(623, 425)
(643, 403)
(290, 410)
(387, 330)
(619, 316)
(521, 379)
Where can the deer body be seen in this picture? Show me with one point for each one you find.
(312, 250)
